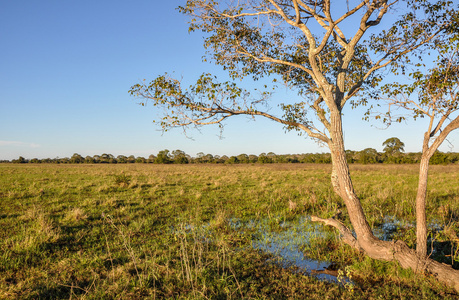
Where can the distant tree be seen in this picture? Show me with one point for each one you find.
(232, 160)
(181, 160)
(264, 159)
(151, 159)
(122, 159)
(20, 160)
(412, 158)
(308, 158)
(324, 158)
(208, 158)
(453, 157)
(368, 156)
(88, 160)
(131, 159)
(35, 161)
(179, 157)
(280, 159)
(272, 156)
(439, 158)
(76, 159)
(243, 158)
(253, 158)
(350, 156)
(292, 159)
(223, 159)
(64, 160)
(393, 146)
(107, 159)
(199, 157)
(140, 160)
(163, 157)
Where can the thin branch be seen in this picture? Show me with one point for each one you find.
(379, 64)
(345, 232)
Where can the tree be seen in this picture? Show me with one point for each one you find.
(107, 159)
(305, 45)
(253, 158)
(393, 150)
(433, 94)
(96, 159)
(223, 159)
(88, 160)
(368, 156)
(20, 160)
(179, 157)
(232, 160)
(438, 158)
(243, 158)
(393, 146)
(122, 159)
(76, 159)
(140, 160)
(262, 158)
(208, 158)
(163, 157)
(151, 159)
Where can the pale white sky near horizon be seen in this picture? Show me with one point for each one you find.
(66, 68)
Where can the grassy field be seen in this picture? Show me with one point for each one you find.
(164, 231)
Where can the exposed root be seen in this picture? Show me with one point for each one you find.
(346, 233)
(400, 252)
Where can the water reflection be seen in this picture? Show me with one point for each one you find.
(283, 239)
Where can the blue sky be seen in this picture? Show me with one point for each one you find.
(66, 68)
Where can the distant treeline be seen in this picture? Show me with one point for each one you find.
(366, 156)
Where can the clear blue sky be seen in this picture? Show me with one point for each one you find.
(66, 68)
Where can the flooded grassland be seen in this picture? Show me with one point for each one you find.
(212, 231)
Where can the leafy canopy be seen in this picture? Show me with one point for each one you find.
(328, 52)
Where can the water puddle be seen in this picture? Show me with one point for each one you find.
(283, 239)
(391, 228)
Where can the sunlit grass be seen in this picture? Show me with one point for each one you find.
(154, 231)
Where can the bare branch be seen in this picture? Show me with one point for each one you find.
(346, 234)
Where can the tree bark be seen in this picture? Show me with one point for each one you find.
(345, 185)
(421, 220)
(335, 179)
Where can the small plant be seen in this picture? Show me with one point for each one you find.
(122, 180)
(345, 278)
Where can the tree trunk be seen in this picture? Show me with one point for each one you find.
(421, 222)
(345, 185)
(365, 240)
(335, 179)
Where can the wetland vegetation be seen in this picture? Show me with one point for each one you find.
(212, 231)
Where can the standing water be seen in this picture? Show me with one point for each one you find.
(283, 239)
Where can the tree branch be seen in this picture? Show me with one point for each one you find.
(345, 232)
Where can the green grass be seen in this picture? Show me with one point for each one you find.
(162, 231)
